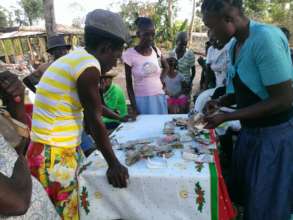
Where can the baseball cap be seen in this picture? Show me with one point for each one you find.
(109, 22)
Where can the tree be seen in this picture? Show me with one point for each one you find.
(33, 9)
(79, 11)
(19, 17)
(191, 22)
(49, 15)
(277, 12)
(3, 17)
(161, 12)
(170, 12)
(77, 22)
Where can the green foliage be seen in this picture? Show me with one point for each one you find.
(277, 12)
(158, 12)
(19, 17)
(3, 18)
(33, 9)
(133, 9)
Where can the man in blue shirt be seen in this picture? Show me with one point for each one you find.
(260, 84)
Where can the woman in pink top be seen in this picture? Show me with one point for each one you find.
(143, 72)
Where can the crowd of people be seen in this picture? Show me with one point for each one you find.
(248, 69)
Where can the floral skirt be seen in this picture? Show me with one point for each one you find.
(56, 168)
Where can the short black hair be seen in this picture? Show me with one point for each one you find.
(218, 5)
(94, 37)
(181, 36)
(170, 61)
(143, 22)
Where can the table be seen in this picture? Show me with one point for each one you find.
(183, 190)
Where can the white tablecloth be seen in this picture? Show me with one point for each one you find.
(180, 191)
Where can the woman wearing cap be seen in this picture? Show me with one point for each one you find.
(142, 65)
(260, 83)
(67, 89)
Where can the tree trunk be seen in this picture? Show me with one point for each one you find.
(30, 21)
(191, 23)
(49, 15)
(170, 12)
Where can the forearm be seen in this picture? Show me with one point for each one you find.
(131, 96)
(164, 72)
(106, 112)
(29, 83)
(19, 189)
(165, 67)
(100, 135)
(16, 110)
(259, 110)
(192, 75)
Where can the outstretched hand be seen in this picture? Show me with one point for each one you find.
(117, 175)
(211, 107)
(214, 120)
(129, 118)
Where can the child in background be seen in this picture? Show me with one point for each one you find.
(114, 99)
(174, 86)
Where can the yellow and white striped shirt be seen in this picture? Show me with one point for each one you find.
(58, 114)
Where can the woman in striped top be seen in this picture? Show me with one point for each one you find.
(66, 94)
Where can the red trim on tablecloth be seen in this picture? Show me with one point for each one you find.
(226, 210)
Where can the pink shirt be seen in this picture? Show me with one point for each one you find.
(146, 72)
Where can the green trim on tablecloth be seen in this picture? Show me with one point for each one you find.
(214, 191)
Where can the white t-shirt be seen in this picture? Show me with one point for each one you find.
(219, 60)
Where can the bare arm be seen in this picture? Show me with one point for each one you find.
(106, 112)
(88, 91)
(12, 91)
(15, 193)
(34, 78)
(129, 87)
(192, 76)
(165, 67)
(281, 98)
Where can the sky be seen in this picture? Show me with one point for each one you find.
(66, 10)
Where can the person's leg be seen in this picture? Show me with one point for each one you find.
(171, 103)
(56, 169)
(183, 104)
(236, 182)
(172, 109)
